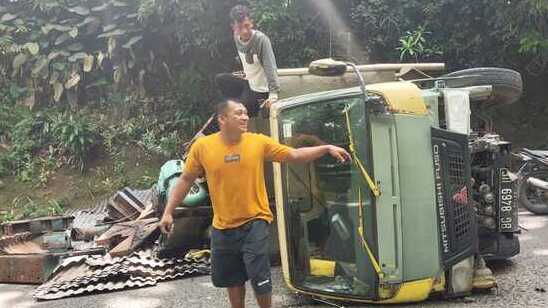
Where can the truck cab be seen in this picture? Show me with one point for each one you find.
(407, 217)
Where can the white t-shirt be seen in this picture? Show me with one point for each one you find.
(254, 73)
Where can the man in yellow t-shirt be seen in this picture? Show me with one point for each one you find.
(232, 161)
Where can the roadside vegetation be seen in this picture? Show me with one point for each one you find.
(95, 95)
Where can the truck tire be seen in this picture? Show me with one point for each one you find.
(532, 199)
(507, 83)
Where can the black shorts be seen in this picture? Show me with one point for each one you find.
(242, 254)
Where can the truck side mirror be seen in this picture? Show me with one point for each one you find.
(327, 67)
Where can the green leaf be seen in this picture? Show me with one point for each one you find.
(88, 63)
(111, 45)
(61, 39)
(40, 68)
(19, 60)
(118, 3)
(33, 48)
(77, 56)
(73, 32)
(19, 22)
(110, 27)
(48, 27)
(75, 47)
(8, 17)
(116, 32)
(132, 41)
(117, 75)
(88, 20)
(59, 66)
(100, 58)
(99, 83)
(100, 8)
(57, 91)
(80, 10)
(54, 54)
(54, 77)
(72, 81)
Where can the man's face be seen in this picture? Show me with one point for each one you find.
(243, 29)
(235, 118)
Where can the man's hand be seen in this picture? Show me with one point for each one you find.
(339, 154)
(268, 102)
(166, 224)
(179, 192)
(307, 154)
(239, 74)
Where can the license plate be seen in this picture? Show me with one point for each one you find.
(508, 218)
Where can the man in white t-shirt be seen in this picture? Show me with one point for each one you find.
(260, 86)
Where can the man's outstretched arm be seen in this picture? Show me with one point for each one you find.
(307, 154)
(178, 194)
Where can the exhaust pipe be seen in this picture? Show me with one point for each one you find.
(540, 184)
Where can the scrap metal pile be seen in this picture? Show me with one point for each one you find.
(86, 274)
(110, 247)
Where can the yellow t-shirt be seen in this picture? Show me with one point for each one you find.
(235, 176)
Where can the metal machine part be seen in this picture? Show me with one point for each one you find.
(495, 195)
(38, 226)
(460, 277)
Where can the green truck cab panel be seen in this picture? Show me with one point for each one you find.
(406, 216)
(416, 175)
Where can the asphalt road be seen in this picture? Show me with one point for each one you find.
(522, 283)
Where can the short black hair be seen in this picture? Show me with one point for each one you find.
(221, 106)
(239, 13)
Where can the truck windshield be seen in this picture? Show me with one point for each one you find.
(325, 202)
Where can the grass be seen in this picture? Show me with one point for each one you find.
(103, 178)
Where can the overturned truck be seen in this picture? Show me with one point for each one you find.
(427, 190)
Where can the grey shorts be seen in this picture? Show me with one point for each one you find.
(242, 254)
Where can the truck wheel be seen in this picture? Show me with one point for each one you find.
(533, 199)
(507, 83)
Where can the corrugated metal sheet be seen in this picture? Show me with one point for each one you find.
(90, 217)
(86, 274)
(129, 204)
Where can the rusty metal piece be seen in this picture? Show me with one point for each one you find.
(87, 233)
(36, 268)
(38, 226)
(56, 241)
(123, 238)
(20, 243)
(32, 269)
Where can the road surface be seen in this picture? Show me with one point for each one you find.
(523, 282)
